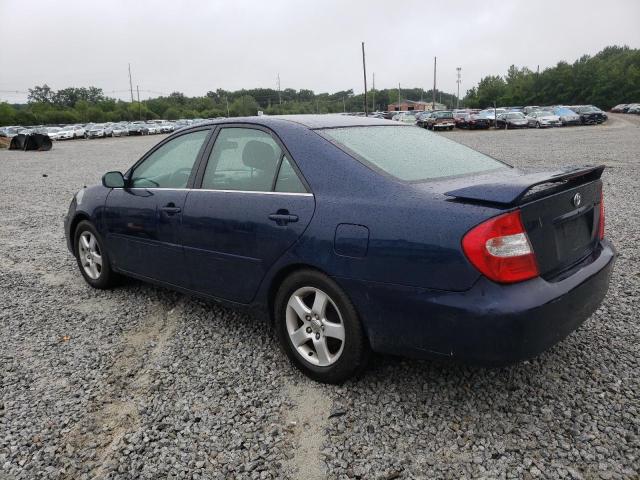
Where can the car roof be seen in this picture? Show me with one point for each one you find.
(310, 121)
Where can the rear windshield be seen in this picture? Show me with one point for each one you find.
(408, 153)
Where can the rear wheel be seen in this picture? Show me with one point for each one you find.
(92, 257)
(319, 329)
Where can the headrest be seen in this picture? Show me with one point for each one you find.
(260, 155)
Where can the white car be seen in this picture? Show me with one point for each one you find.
(79, 132)
(166, 127)
(96, 131)
(405, 117)
(153, 128)
(543, 119)
(66, 133)
(53, 133)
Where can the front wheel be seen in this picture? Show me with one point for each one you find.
(92, 257)
(319, 329)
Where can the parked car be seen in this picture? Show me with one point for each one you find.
(491, 114)
(405, 117)
(65, 133)
(621, 108)
(152, 128)
(442, 120)
(119, 130)
(589, 115)
(10, 132)
(79, 131)
(512, 120)
(634, 108)
(530, 108)
(543, 119)
(138, 129)
(567, 116)
(473, 121)
(52, 132)
(168, 127)
(96, 131)
(459, 117)
(421, 119)
(319, 238)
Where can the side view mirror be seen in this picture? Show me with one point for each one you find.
(113, 180)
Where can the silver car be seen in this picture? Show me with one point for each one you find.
(543, 119)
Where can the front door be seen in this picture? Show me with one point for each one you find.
(251, 207)
(143, 219)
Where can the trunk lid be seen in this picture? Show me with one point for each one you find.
(560, 210)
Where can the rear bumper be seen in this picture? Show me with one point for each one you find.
(490, 324)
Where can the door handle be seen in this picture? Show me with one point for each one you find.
(170, 209)
(283, 217)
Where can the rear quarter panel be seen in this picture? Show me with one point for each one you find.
(414, 234)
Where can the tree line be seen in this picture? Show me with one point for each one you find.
(606, 79)
(80, 105)
(610, 77)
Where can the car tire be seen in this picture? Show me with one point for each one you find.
(89, 247)
(537, 124)
(311, 313)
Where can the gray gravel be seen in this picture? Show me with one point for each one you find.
(141, 382)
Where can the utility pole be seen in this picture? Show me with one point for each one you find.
(399, 96)
(139, 105)
(373, 93)
(433, 97)
(226, 99)
(130, 83)
(279, 96)
(364, 69)
(344, 105)
(458, 82)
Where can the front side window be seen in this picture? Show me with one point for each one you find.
(242, 159)
(170, 165)
(409, 153)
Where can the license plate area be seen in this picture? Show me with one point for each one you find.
(574, 237)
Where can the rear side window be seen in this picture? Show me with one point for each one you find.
(242, 159)
(288, 180)
(409, 153)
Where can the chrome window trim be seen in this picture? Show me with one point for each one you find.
(305, 194)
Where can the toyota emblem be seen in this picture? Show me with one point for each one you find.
(577, 199)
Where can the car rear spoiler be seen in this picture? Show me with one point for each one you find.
(520, 185)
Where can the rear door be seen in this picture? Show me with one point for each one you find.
(143, 220)
(253, 204)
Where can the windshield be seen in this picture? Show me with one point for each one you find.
(514, 115)
(443, 115)
(409, 153)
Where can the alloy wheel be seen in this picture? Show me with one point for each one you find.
(315, 326)
(90, 255)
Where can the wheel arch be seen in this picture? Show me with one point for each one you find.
(279, 277)
(79, 217)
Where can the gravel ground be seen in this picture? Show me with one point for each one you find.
(141, 382)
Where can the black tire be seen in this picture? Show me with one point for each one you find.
(107, 277)
(537, 124)
(355, 349)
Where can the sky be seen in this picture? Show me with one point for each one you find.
(196, 46)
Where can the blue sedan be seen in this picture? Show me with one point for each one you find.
(355, 235)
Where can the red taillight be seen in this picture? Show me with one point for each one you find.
(601, 225)
(500, 249)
